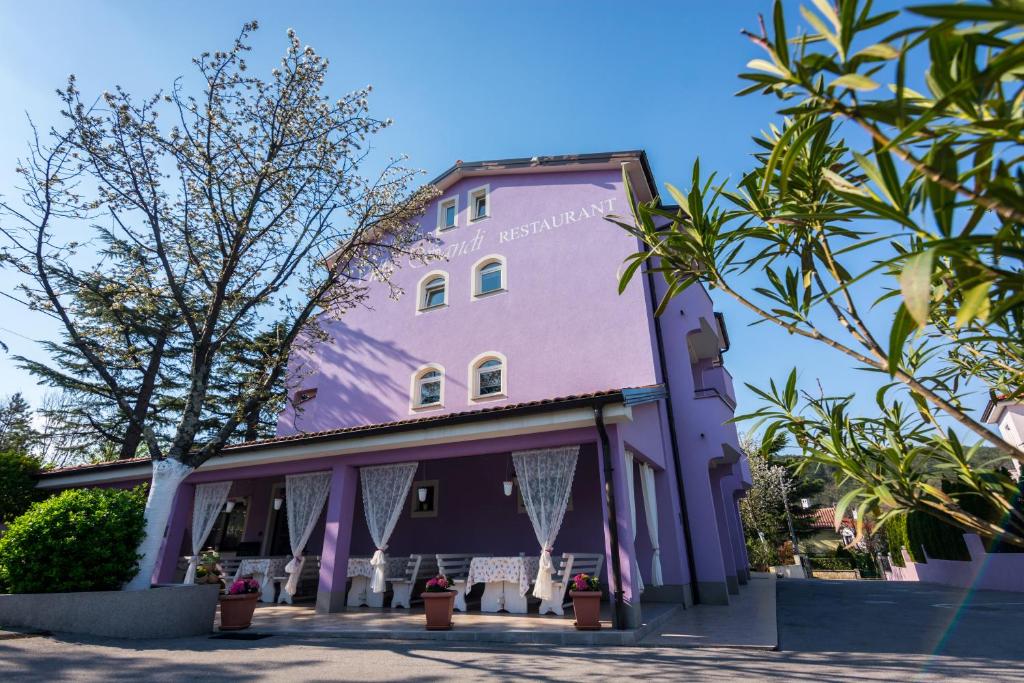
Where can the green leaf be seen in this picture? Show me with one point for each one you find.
(855, 82)
(826, 8)
(975, 305)
(969, 12)
(679, 197)
(842, 184)
(879, 50)
(916, 285)
(903, 325)
(781, 46)
(764, 65)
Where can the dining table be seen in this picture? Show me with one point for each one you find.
(506, 581)
(361, 572)
(264, 570)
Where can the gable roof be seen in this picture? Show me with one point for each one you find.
(637, 166)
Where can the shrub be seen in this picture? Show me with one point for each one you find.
(17, 484)
(761, 558)
(832, 563)
(80, 540)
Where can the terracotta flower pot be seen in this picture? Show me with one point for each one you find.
(236, 611)
(438, 606)
(587, 606)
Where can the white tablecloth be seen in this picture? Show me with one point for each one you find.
(262, 569)
(360, 566)
(521, 570)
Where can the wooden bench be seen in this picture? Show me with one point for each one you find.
(401, 586)
(569, 566)
(455, 566)
(309, 576)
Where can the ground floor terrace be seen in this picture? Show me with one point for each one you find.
(486, 501)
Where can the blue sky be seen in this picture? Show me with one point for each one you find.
(463, 81)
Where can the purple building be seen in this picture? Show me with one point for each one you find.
(516, 341)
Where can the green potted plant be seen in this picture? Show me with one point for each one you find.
(238, 605)
(586, 602)
(208, 571)
(438, 603)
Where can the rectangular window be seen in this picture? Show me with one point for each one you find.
(490, 278)
(490, 382)
(435, 297)
(479, 203)
(448, 214)
(430, 392)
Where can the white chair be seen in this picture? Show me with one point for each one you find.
(401, 586)
(559, 584)
(455, 566)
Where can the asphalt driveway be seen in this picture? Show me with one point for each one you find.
(899, 618)
(828, 631)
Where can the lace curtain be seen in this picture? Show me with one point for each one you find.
(384, 490)
(545, 480)
(305, 495)
(651, 511)
(209, 501)
(631, 495)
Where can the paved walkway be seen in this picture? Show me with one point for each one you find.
(303, 621)
(748, 622)
(834, 631)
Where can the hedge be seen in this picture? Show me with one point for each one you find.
(80, 540)
(921, 533)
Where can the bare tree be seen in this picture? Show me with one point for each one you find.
(246, 212)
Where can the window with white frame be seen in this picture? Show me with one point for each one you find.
(479, 203)
(433, 291)
(488, 377)
(489, 276)
(427, 388)
(448, 214)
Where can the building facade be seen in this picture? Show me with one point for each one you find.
(513, 336)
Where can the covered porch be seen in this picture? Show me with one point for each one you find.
(461, 497)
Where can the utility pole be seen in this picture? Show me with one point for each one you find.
(789, 517)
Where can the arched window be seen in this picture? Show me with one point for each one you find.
(488, 376)
(428, 387)
(433, 291)
(489, 275)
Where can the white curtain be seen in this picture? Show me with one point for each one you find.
(651, 511)
(630, 493)
(209, 501)
(545, 480)
(305, 495)
(385, 488)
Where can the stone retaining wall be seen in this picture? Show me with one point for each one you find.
(164, 612)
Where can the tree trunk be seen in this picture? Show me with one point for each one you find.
(167, 476)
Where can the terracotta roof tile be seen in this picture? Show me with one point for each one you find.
(425, 421)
